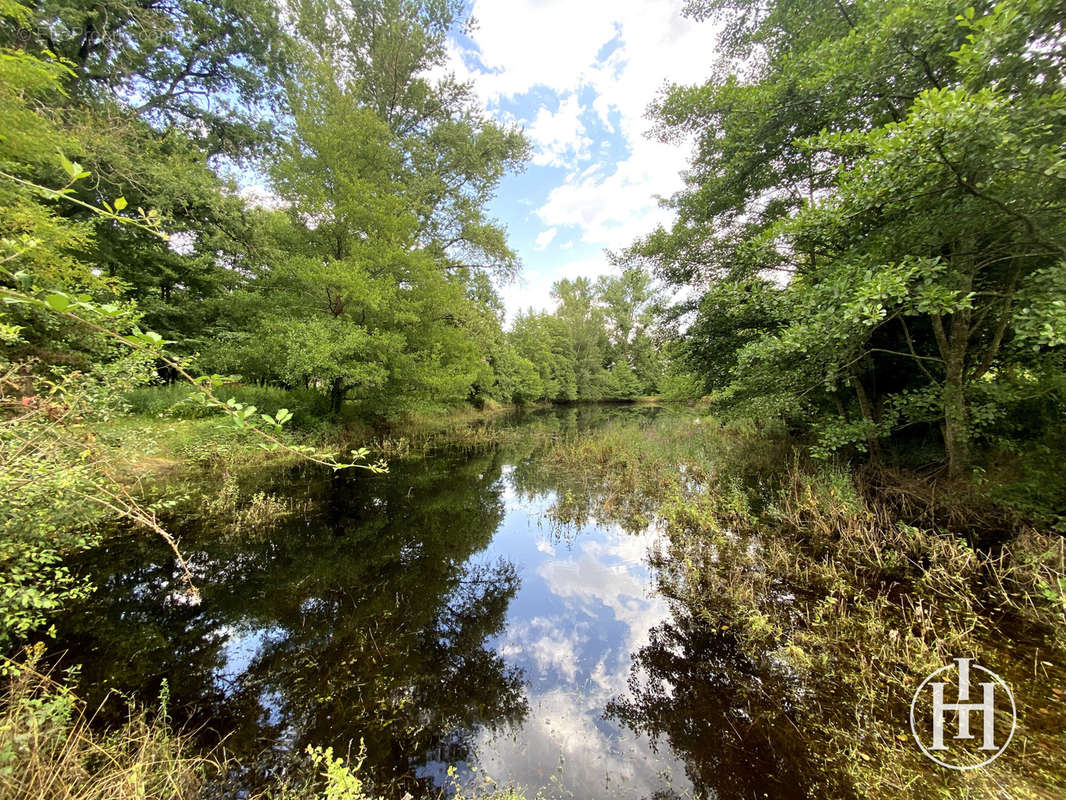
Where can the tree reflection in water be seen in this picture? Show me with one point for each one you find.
(364, 623)
(728, 717)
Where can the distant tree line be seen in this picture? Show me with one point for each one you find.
(598, 344)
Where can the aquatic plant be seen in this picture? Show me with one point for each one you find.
(808, 603)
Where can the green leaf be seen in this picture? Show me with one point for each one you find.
(69, 166)
(57, 302)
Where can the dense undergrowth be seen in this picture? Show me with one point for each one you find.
(813, 599)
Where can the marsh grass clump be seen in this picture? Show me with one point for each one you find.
(460, 438)
(809, 602)
(459, 430)
(238, 511)
(626, 472)
(50, 749)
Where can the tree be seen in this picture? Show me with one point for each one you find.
(157, 99)
(787, 72)
(583, 321)
(376, 279)
(629, 302)
(517, 378)
(204, 67)
(454, 156)
(543, 340)
(942, 252)
(875, 237)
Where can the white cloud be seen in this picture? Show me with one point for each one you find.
(592, 582)
(573, 673)
(556, 45)
(614, 209)
(551, 644)
(552, 43)
(555, 653)
(545, 238)
(546, 547)
(559, 137)
(565, 749)
(258, 196)
(590, 69)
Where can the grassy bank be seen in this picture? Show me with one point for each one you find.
(180, 458)
(163, 431)
(810, 600)
(164, 434)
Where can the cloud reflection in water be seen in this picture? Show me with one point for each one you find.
(585, 605)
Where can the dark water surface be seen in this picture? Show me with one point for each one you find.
(440, 617)
(434, 614)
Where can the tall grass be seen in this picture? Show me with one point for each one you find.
(49, 749)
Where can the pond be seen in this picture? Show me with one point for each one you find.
(435, 616)
(479, 617)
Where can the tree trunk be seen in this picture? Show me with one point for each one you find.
(953, 348)
(337, 391)
(866, 407)
(956, 422)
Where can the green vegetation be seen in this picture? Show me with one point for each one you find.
(382, 620)
(870, 251)
(48, 748)
(598, 345)
(805, 598)
(875, 222)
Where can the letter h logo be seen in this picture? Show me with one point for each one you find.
(987, 708)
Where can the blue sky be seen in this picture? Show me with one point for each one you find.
(578, 76)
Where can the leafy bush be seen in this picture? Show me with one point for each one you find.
(55, 485)
(309, 408)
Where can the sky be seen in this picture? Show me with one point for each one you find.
(578, 76)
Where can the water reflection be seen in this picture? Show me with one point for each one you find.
(585, 605)
(431, 613)
(368, 622)
(729, 717)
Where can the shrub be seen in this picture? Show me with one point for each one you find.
(309, 408)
